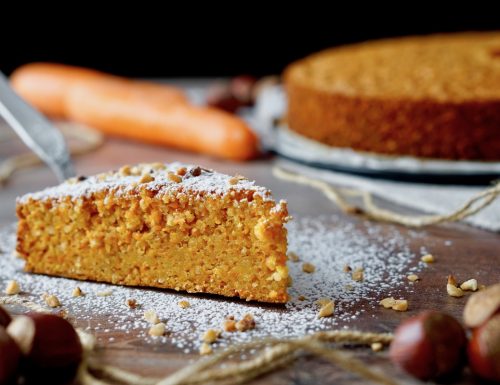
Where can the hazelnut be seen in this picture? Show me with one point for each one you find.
(51, 347)
(481, 306)
(429, 346)
(484, 350)
(5, 317)
(10, 356)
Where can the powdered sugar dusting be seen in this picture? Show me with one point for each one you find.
(207, 182)
(329, 243)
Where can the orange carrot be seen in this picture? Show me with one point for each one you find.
(133, 109)
(180, 125)
(46, 86)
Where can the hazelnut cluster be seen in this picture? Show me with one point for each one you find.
(434, 345)
(39, 348)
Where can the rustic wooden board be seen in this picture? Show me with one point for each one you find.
(474, 253)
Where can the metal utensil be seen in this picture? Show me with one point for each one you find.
(35, 131)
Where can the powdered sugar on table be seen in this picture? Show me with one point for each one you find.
(329, 243)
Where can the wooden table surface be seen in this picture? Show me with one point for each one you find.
(474, 253)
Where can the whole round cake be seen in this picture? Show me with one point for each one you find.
(432, 96)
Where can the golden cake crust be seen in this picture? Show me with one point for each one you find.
(434, 96)
(171, 226)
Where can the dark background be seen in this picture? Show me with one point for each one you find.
(250, 40)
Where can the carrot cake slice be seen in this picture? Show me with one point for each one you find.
(172, 226)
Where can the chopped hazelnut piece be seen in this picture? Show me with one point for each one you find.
(293, 257)
(246, 323)
(358, 274)
(452, 280)
(413, 277)
(395, 304)
(184, 304)
(301, 298)
(51, 300)
(151, 316)
(308, 268)
(174, 177)
(77, 292)
(327, 309)
(195, 171)
(205, 349)
(181, 171)
(323, 301)
(211, 335)
(234, 180)
(347, 269)
(12, 288)
(229, 324)
(469, 285)
(157, 330)
(428, 258)
(146, 178)
(377, 346)
(454, 291)
(125, 170)
(131, 303)
(104, 293)
(388, 303)
(400, 305)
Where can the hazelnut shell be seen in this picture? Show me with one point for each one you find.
(10, 356)
(429, 346)
(51, 347)
(5, 317)
(484, 350)
(481, 306)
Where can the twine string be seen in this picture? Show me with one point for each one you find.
(370, 210)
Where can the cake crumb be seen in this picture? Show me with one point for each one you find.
(413, 278)
(157, 330)
(205, 349)
(151, 316)
(327, 309)
(211, 335)
(77, 292)
(184, 304)
(293, 257)
(12, 287)
(131, 303)
(51, 300)
(246, 323)
(308, 268)
(428, 258)
(469, 285)
(377, 346)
